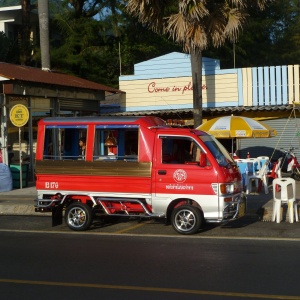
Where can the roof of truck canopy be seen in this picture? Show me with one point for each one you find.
(148, 121)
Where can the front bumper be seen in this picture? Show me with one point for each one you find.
(235, 209)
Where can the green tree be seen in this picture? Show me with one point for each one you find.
(103, 47)
(9, 51)
(194, 25)
(269, 38)
(87, 46)
(289, 44)
(92, 8)
(277, 32)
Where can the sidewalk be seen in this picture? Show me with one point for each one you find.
(21, 202)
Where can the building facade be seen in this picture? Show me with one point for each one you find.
(163, 86)
(11, 19)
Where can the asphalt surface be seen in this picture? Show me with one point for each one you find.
(21, 202)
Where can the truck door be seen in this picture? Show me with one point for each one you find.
(178, 172)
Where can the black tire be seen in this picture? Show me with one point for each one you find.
(186, 219)
(78, 216)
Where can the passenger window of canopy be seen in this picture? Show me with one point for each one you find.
(62, 142)
(116, 142)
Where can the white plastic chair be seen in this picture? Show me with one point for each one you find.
(284, 196)
(260, 175)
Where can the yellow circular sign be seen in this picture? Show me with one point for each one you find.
(19, 115)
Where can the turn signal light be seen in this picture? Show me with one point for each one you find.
(226, 188)
(227, 199)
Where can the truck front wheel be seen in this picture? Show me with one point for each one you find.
(186, 219)
(78, 216)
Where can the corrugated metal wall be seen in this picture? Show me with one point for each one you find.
(288, 134)
(79, 105)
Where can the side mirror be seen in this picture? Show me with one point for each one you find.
(202, 162)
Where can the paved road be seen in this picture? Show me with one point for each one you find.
(37, 265)
(243, 228)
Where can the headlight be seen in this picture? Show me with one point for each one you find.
(227, 188)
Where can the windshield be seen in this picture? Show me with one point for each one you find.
(217, 149)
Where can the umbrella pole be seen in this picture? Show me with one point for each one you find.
(237, 145)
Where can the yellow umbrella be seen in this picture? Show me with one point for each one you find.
(237, 127)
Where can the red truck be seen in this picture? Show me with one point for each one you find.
(134, 167)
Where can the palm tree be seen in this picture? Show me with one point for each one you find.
(194, 24)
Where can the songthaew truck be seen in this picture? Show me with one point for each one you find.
(134, 167)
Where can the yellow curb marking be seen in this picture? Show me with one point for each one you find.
(131, 227)
(149, 289)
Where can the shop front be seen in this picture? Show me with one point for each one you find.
(44, 94)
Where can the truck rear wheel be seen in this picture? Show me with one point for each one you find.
(78, 216)
(186, 219)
